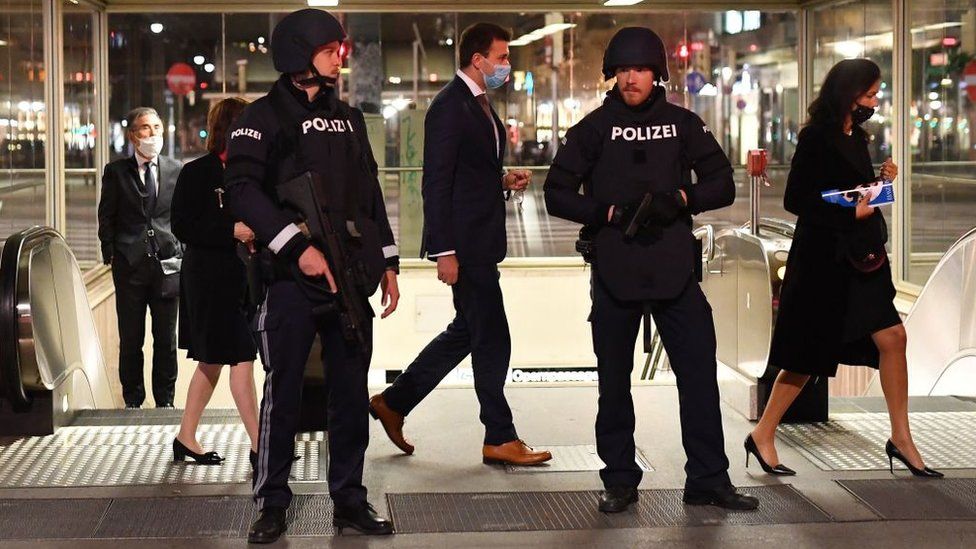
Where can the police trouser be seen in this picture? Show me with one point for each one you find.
(686, 329)
(285, 330)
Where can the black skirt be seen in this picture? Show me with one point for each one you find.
(213, 326)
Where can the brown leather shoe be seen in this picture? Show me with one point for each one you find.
(515, 452)
(392, 422)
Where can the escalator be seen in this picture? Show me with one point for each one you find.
(51, 363)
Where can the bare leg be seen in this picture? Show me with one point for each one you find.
(197, 396)
(242, 388)
(894, 382)
(785, 390)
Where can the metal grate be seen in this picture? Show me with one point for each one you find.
(917, 499)
(153, 518)
(855, 441)
(571, 459)
(138, 455)
(546, 511)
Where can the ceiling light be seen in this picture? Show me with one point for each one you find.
(621, 2)
(156, 28)
(199, 59)
(323, 3)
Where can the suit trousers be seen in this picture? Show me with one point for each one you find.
(688, 333)
(136, 287)
(479, 328)
(285, 330)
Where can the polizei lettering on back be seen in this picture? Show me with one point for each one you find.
(326, 125)
(644, 133)
(246, 132)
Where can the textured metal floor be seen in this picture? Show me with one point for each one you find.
(917, 499)
(855, 441)
(148, 518)
(138, 455)
(573, 459)
(527, 511)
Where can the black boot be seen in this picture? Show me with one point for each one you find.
(725, 497)
(269, 526)
(617, 498)
(361, 517)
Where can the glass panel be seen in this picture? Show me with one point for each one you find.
(23, 116)
(80, 133)
(168, 70)
(739, 74)
(942, 116)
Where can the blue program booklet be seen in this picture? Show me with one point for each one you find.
(881, 193)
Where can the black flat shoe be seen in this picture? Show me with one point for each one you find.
(269, 526)
(778, 469)
(617, 499)
(894, 453)
(362, 518)
(725, 497)
(181, 452)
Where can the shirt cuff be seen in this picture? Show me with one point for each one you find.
(440, 254)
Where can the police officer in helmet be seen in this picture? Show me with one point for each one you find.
(633, 157)
(301, 127)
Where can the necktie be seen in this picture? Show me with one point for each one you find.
(483, 101)
(150, 183)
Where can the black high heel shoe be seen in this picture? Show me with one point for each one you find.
(894, 453)
(181, 452)
(778, 469)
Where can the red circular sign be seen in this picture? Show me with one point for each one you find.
(181, 78)
(969, 74)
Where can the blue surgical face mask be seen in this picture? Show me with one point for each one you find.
(498, 76)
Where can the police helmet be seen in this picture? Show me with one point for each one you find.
(296, 37)
(636, 47)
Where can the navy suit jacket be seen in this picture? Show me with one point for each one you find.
(464, 204)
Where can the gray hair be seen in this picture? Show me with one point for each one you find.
(135, 114)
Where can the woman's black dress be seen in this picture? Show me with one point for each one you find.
(213, 325)
(828, 309)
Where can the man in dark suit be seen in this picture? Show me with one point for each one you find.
(134, 229)
(464, 231)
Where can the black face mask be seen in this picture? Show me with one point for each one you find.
(861, 114)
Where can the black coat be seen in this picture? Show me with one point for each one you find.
(213, 327)
(820, 323)
(464, 206)
(617, 154)
(122, 211)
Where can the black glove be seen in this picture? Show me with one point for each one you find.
(107, 255)
(623, 215)
(665, 208)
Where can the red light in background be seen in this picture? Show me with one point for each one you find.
(683, 51)
(950, 41)
(697, 46)
(204, 85)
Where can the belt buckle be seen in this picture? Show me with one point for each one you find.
(150, 233)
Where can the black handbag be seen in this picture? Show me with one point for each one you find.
(865, 246)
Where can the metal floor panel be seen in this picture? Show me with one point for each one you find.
(855, 441)
(917, 499)
(548, 511)
(572, 459)
(154, 518)
(138, 455)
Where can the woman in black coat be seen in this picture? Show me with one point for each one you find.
(836, 304)
(213, 326)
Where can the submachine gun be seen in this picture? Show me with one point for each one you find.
(304, 194)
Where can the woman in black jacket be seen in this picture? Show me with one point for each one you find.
(213, 326)
(836, 304)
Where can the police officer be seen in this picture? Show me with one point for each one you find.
(634, 156)
(299, 127)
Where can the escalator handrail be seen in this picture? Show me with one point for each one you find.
(10, 376)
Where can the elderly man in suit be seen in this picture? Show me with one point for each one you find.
(134, 230)
(464, 217)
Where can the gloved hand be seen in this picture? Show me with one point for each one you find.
(623, 215)
(665, 208)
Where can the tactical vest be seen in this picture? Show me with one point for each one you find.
(641, 152)
(327, 142)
